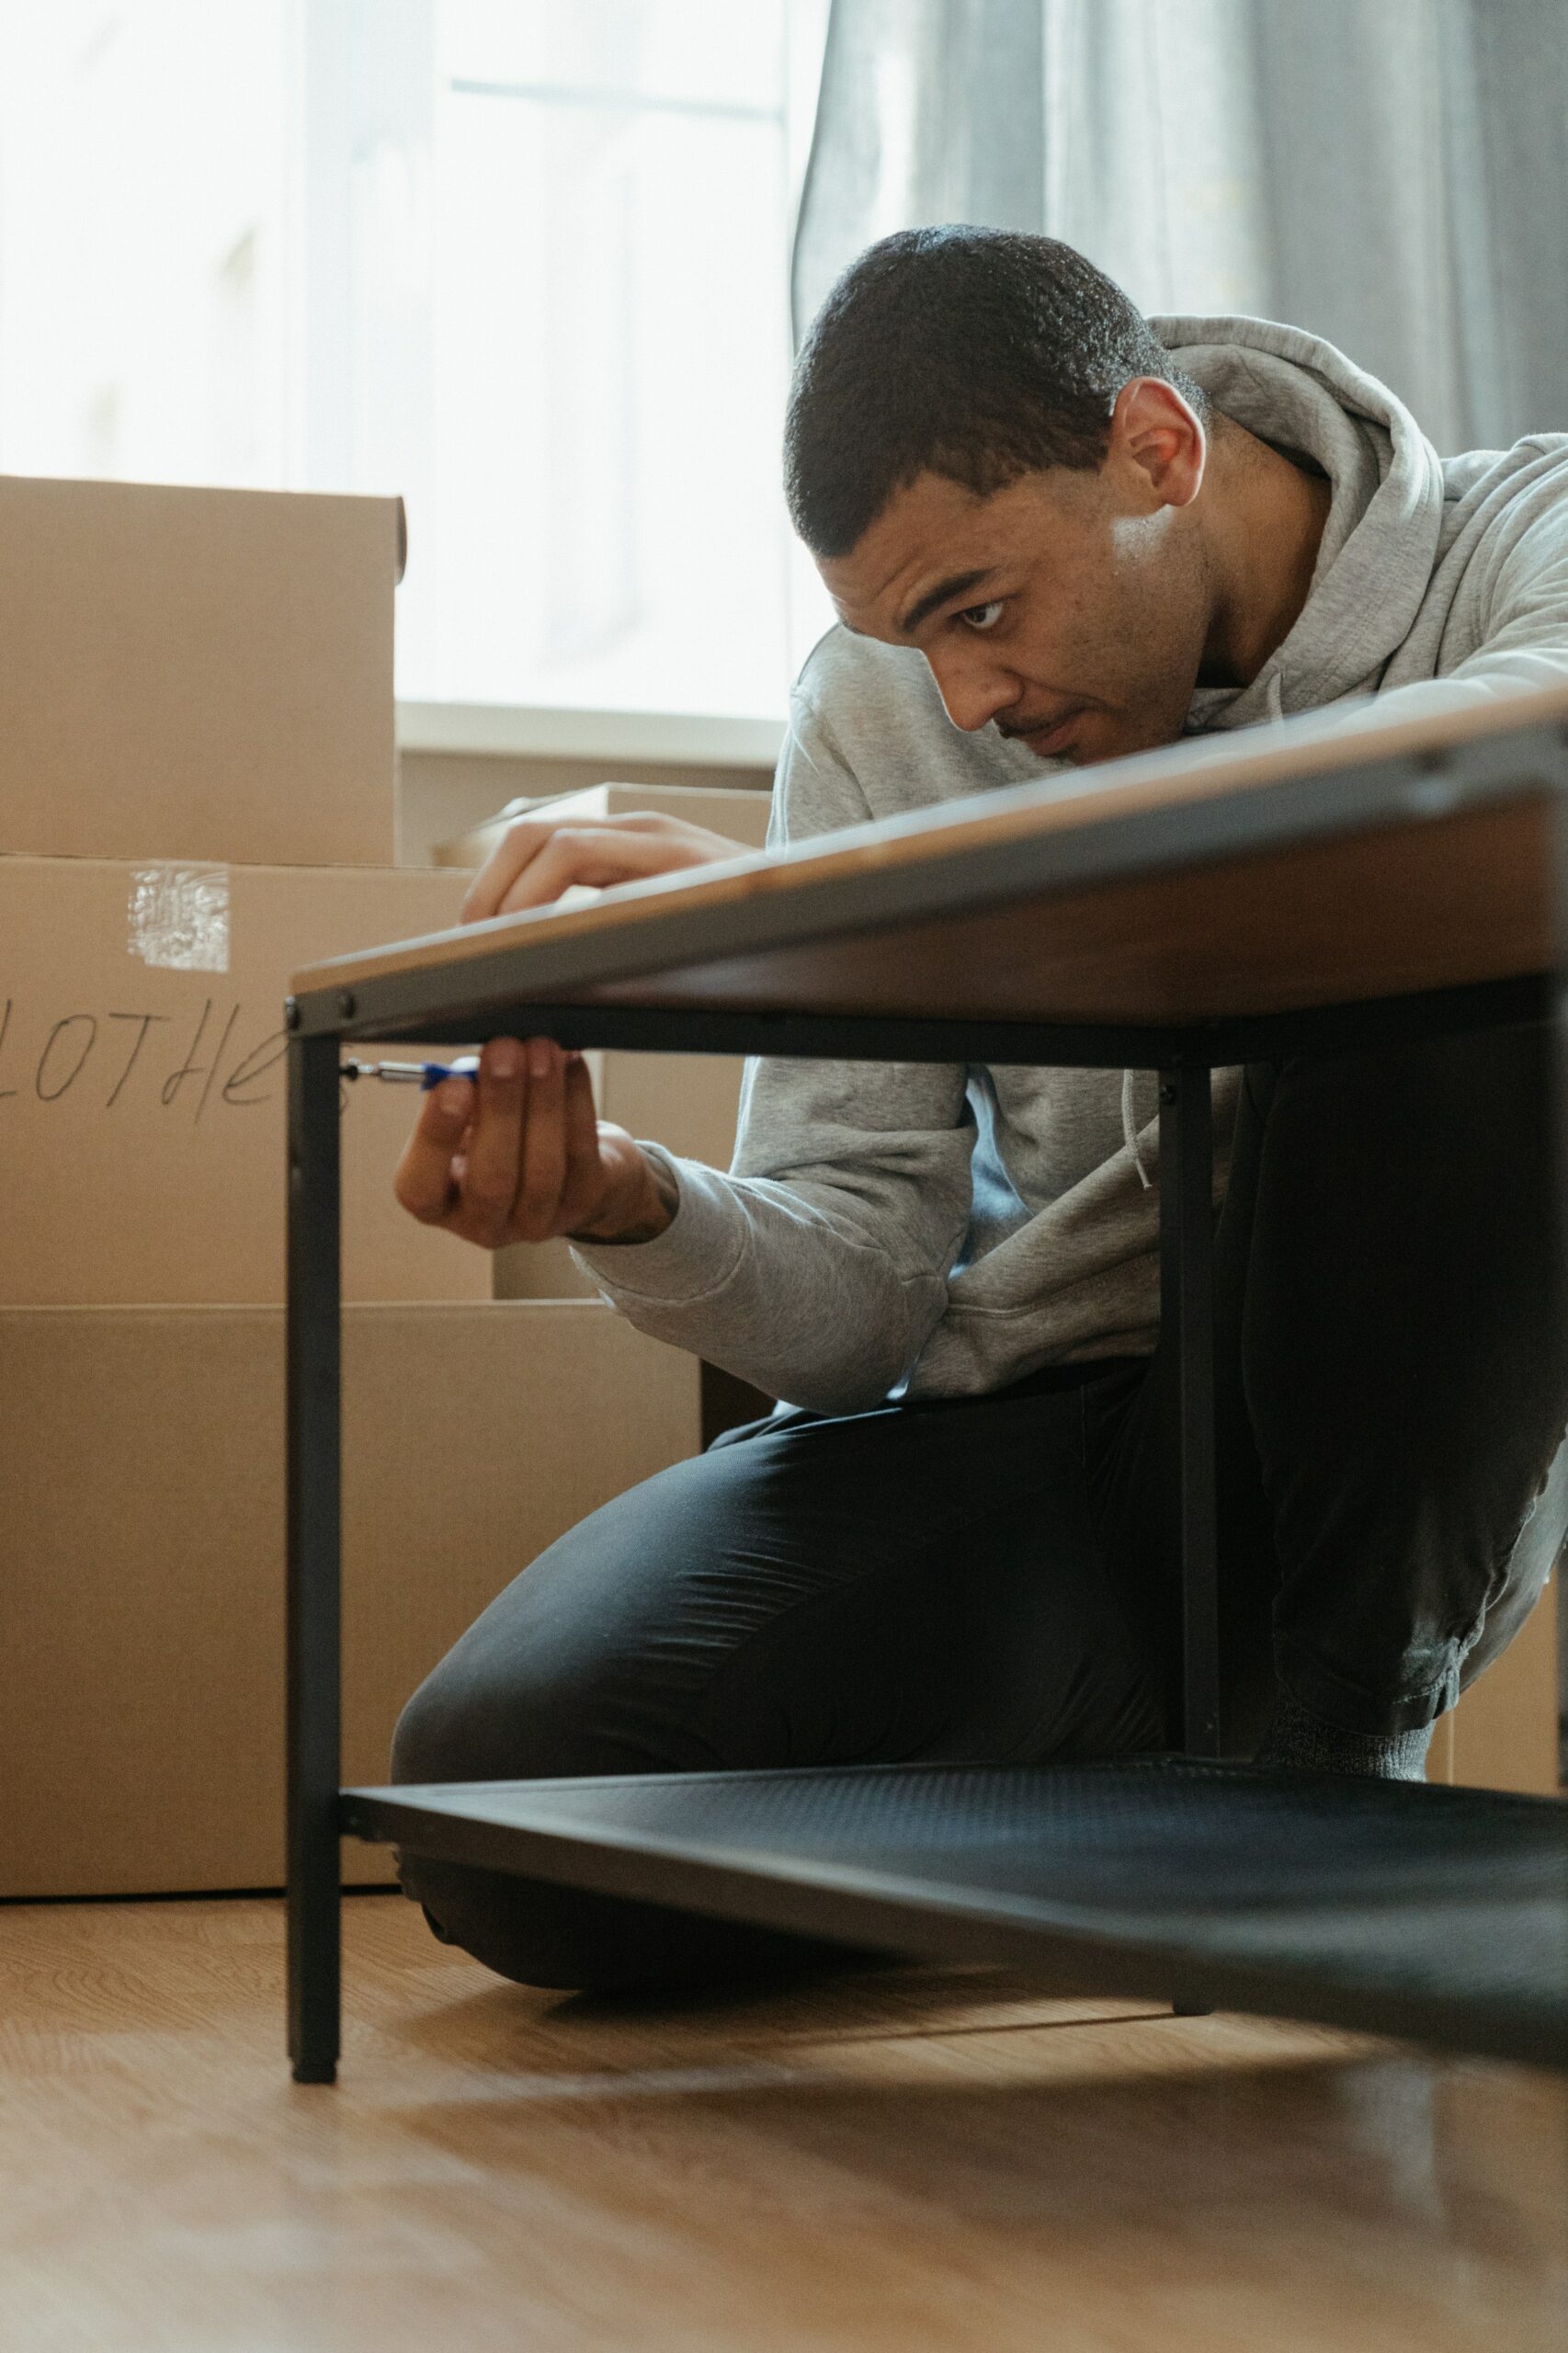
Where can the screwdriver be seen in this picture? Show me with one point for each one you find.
(425, 1075)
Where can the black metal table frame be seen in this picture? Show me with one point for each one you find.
(1184, 1057)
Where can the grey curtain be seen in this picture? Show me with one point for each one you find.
(1391, 174)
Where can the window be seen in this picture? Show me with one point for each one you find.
(523, 262)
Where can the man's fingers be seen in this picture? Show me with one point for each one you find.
(584, 1183)
(522, 840)
(542, 1170)
(490, 1179)
(426, 1181)
(519, 1154)
(590, 857)
(536, 860)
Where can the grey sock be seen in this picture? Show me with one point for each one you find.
(1295, 1737)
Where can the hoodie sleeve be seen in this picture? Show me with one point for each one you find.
(1511, 618)
(817, 1268)
(1526, 640)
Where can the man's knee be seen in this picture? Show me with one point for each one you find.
(480, 1718)
(514, 1699)
(552, 1682)
(437, 1738)
(592, 1660)
(517, 1697)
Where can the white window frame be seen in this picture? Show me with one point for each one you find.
(531, 730)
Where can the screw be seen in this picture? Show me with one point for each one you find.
(1167, 1091)
(347, 1001)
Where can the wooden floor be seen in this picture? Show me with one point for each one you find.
(902, 2160)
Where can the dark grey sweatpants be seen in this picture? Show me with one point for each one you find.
(997, 1577)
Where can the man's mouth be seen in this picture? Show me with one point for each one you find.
(1050, 736)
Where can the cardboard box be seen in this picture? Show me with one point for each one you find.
(741, 816)
(686, 1102)
(143, 1087)
(1504, 1733)
(196, 674)
(142, 1509)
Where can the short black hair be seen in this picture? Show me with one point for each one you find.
(978, 354)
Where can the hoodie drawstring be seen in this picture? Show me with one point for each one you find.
(1129, 1131)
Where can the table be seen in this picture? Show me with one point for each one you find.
(1307, 888)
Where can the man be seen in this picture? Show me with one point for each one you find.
(1052, 532)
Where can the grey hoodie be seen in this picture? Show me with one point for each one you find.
(890, 1228)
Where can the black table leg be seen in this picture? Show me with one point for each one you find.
(1187, 1315)
(314, 1345)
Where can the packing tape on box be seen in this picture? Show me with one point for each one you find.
(179, 918)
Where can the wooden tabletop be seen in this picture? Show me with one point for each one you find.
(1323, 861)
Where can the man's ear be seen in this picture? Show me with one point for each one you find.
(1155, 433)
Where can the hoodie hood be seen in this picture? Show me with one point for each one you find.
(1304, 398)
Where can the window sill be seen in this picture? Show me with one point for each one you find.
(688, 739)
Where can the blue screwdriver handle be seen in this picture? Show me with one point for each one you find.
(466, 1066)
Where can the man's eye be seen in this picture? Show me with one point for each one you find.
(982, 615)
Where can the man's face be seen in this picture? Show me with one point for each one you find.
(1069, 609)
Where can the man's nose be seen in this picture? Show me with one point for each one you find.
(973, 689)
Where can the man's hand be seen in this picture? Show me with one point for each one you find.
(537, 858)
(518, 1155)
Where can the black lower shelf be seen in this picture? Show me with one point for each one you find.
(1435, 1913)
